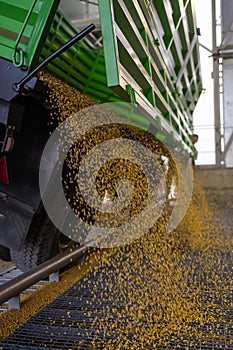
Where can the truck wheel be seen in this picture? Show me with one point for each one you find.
(40, 244)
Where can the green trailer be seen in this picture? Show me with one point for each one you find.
(149, 58)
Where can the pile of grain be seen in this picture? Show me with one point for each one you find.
(161, 276)
(163, 280)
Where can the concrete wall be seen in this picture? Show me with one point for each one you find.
(217, 182)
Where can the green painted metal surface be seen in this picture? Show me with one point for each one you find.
(23, 28)
(150, 56)
(157, 55)
(82, 65)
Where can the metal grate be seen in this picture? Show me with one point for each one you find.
(73, 320)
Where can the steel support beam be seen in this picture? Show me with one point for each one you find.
(217, 118)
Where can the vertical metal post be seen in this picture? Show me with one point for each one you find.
(217, 118)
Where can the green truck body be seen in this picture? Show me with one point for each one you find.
(150, 58)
